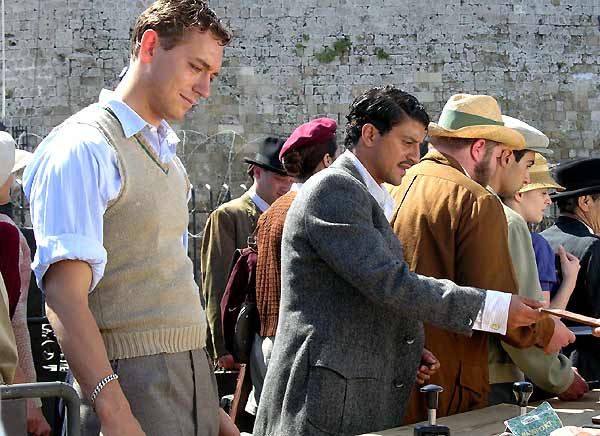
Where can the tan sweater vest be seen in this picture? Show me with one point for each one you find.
(147, 301)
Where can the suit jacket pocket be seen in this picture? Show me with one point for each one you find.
(339, 391)
(474, 380)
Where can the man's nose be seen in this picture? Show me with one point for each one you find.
(202, 86)
(414, 153)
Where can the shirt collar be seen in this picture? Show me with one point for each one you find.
(163, 139)
(296, 186)
(588, 227)
(130, 120)
(260, 203)
(379, 193)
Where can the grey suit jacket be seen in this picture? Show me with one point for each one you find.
(350, 331)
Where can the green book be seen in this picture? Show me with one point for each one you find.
(541, 421)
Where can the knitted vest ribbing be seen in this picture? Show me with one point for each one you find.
(147, 301)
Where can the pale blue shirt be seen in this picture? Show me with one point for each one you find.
(493, 317)
(70, 180)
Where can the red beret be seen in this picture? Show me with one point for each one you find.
(314, 132)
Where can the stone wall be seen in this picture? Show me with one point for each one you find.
(295, 60)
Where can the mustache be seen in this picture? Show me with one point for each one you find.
(409, 162)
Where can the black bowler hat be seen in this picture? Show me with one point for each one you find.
(579, 177)
(267, 156)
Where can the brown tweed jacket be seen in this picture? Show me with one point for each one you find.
(268, 263)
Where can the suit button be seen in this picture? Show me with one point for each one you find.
(410, 341)
(398, 383)
(469, 322)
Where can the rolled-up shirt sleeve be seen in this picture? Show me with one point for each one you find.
(69, 183)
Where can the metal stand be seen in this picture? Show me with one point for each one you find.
(45, 390)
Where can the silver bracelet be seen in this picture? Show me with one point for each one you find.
(106, 380)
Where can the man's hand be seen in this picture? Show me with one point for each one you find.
(522, 313)
(569, 265)
(115, 414)
(596, 331)
(227, 362)
(36, 422)
(577, 389)
(124, 425)
(429, 366)
(561, 337)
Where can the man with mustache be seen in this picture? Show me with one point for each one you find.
(350, 326)
(451, 227)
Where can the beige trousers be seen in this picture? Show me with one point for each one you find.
(170, 394)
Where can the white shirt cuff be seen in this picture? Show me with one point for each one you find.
(493, 316)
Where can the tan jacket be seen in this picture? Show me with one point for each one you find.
(551, 372)
(227, 229)
(452, 227)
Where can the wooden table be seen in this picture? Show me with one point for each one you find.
(490, 421)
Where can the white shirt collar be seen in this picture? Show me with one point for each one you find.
(296, 186)
(379, 193)
(588, 227)
(260, 203)
(163, 139)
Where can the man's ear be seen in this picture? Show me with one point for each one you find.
(504, 158)
(368, 134)
(148, 46)
(477, 150)
(584, 202)
(518, 197)
(327, 160)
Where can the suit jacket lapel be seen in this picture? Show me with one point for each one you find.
(251, 209)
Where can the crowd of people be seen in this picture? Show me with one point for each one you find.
(378, 268)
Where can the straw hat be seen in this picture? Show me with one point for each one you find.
(534, 139)
(11, 158)
(475, 116)
(540, 176)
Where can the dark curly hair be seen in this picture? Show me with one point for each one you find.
(171, 19)
(384, 107)
(303, 162)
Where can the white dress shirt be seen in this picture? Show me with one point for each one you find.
(493, 317)
(379, 193)
(296, 187)
(70, 180)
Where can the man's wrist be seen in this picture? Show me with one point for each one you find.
(111, 402)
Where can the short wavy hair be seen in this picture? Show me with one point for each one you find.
(384, 107)
(171, 19)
